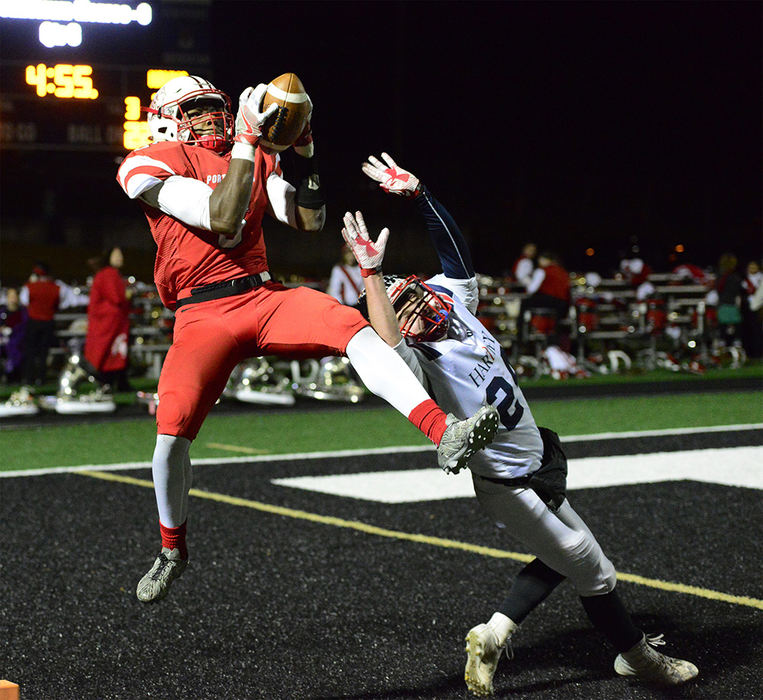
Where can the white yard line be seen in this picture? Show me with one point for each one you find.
(729, 466)
(370, 451)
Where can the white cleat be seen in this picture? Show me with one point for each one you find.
(647, 664)
(156, 583)
(462, 438)
(483, 652)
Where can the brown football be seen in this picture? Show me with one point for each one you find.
(282, 129)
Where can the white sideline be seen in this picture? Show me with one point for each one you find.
(127, 466)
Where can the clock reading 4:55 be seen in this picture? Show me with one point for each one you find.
(62, 80)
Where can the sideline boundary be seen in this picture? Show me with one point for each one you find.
(127, 466)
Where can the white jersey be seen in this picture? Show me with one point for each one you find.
(465, 369)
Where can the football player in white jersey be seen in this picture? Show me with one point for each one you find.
(520, 478)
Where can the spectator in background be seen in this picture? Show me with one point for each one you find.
(549, 288)
(752, 324)
(13, 318)
(636, 273)
(345, 283)
(730, 292)
(108, 321)
(523, 268)
(41, 295)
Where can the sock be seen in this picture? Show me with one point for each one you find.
(609, 616)
(533, 584)
(171, 468)
(174, 538)
(429, 418)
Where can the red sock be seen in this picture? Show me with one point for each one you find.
(429, 418)
(174, 538)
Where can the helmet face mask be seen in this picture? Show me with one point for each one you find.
(190, 109)
(421, 312)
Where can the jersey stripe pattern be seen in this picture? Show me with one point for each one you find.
(191, 257)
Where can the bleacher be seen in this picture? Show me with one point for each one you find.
(603, 317)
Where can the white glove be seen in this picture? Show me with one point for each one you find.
(392, 178)
(368, 254)
(249, 119)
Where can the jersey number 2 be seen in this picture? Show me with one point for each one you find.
(501, 394)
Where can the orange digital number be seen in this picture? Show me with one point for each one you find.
(132, 109)
(83, 83)
(63, 77)
(63, 80)
(37, 76)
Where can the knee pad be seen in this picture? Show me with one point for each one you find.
(175, 415)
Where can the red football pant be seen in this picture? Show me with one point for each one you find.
(212, 337)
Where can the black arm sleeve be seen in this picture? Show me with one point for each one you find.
(448, 240)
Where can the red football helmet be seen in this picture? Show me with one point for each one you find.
(423, 314)
(168, 119)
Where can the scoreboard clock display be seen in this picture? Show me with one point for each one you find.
(76, 106)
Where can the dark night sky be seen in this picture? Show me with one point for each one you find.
(569, 123)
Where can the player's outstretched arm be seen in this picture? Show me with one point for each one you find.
(369, 255)
(448, 240)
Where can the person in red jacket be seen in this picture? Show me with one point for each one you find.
(41, 295)
(108, 320)
(549, 288)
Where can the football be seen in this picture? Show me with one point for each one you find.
(282, 128)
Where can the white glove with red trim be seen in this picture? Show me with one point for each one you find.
(391, 178)
(249, 119)
(368, 254)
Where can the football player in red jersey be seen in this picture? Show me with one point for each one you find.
(205, 184)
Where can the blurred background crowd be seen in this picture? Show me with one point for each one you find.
(609, 188)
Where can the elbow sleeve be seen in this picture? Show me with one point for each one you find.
(187, 200)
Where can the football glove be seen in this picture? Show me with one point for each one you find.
(249, 119)
(392, 178)
(368, 254)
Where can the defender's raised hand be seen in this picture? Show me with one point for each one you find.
(368, 254)
(391, 177)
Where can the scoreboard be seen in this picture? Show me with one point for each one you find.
(74, 74)
(76, 106)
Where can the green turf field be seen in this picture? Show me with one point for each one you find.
(298, 430)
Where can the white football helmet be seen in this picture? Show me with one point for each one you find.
(168, 120)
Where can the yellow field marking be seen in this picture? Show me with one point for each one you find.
(424, 539)
(237, 448)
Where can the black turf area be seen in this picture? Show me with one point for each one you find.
(276, 607)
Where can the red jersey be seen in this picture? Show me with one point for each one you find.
(192, 257)
(44, 295)
(556, 283)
